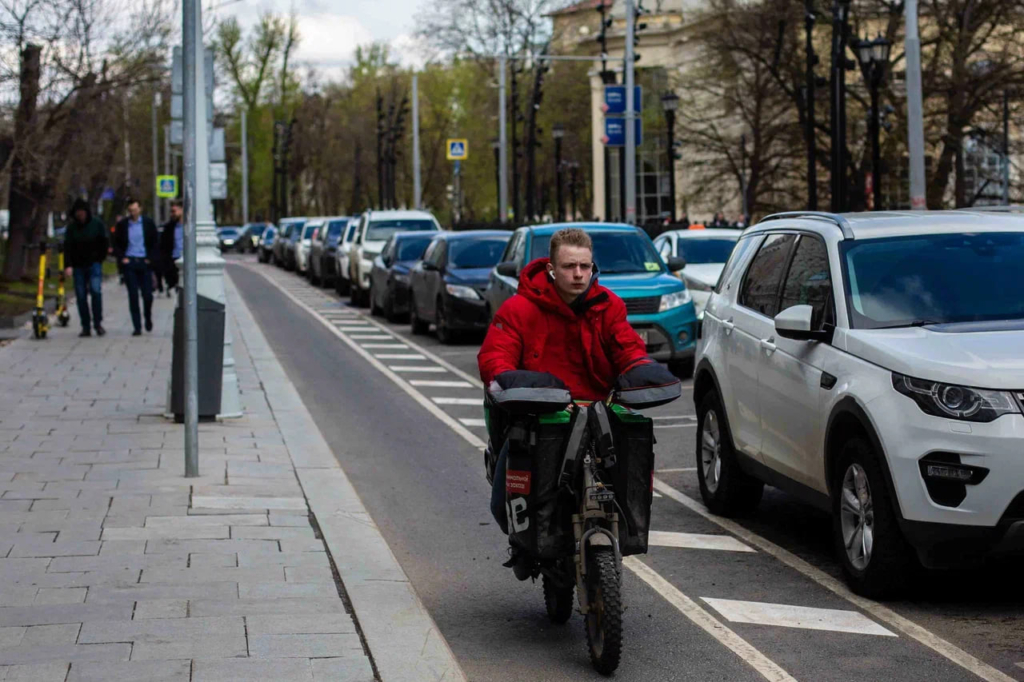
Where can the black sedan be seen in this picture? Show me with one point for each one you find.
(389, 278)
(447, 286)
(227, 237)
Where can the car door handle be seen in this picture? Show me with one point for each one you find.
(728, 325)
(769, 345)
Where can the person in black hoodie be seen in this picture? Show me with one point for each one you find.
(171, 245)
(136, 245)
(85, 249)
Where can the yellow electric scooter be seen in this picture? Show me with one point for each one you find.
(40, 320)
(63, 316)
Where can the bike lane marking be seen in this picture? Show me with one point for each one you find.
(693, 611)
(908, 627)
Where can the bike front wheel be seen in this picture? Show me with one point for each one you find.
(604, 615)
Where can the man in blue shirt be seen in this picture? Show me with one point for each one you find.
(171, 244)
(135, 242)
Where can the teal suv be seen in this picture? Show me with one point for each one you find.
(658, 304)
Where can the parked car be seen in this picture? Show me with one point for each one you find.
(389, 278)
(341, 260)
(374, 229)
(321, 253)
(871, 364)
(227, 236)
(287, 229)
(704, 252)
(265, 247)
(249, 240)
(302, 243)
(446, 287)
(658, 304)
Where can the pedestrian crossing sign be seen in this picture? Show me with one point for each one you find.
(458, 150)
(167, 186)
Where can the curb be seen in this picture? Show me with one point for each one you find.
(404, 642)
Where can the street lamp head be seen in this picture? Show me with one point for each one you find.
(880, 48)
(864, 49)
(558, 131)
(670, 101)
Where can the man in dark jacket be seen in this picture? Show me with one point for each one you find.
(171, 243)
(85, 249)
(136, 245)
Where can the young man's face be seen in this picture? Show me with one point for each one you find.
(176, 212)
(134, 210)
(80, 215)
(571, 270)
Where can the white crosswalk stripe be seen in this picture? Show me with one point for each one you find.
(727, 543)
(429, 383)
(399, 356)
(370, 337)
(804, 617)
(394, 346)
(459, 401)
(473, 422)
(413, 368)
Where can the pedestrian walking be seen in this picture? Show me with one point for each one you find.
(85, 249)
(135, 241)
(171, 243)
(719, 221)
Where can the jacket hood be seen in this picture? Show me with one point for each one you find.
(535, 285)
(81, 204)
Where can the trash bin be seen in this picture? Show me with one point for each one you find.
(210, 335)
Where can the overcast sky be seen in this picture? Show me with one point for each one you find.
(331, 29)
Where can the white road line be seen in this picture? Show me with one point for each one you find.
(676, 470)
(803, 617)
(681, 416)
(1020, 665)
(711, 625)
(676, 426)
(454, 425)
(413, 368)
(657, 494)
(399, 356)
(478, 402)
(472, 422)
(429, 383)
(882, 613)
(395, 346)
(371, 337)
(728, 543)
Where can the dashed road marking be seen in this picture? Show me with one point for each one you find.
(371, 337)
(459, 401)
(768, 668)
(392, 346)
(726, 543)
(675, 426)
(882, 613)
(430, 383)
(675, 470)
(803, 617)
(472, 422)
(399, 356)
(414, 368)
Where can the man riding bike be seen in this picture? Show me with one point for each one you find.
(564, 323)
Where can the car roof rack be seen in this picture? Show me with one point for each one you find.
(834, 218)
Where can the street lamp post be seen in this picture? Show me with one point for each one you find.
(574, 167)
(840, 34)
(496, 146)
(669, 103)
(873, 56)
(558, 132)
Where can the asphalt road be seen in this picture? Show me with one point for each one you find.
(403, 418)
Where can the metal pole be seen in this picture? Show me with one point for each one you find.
(497, 178)
(915, 117)
(502, 143)
(194, 101)
(156, 199)
(1006, 147)
(811, 83)
(417, 186)
(630, 149)
(743, 175)
(876, 153)
(560, 211)
(670, 121)
(839, 14)
(167, 166)
(245, 168)
(572, 188)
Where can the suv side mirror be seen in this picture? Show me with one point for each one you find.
(430, 267)
(675, 263)
(795, 323)
(507, 269)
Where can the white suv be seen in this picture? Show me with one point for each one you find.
(872, 364)
(375, 227)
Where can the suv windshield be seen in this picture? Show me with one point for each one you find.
(256, 229)
(228, 232)
(380, 230)
(296, 228)
(698, 251)
(307, 232)
(412, 248)
(934, 279)
(616, 253)
(476, 253)
(335, 227)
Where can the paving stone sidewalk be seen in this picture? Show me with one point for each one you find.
(116, 567)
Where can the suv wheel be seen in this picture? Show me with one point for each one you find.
(725, 488)
(875, 557)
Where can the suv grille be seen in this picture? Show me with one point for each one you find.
(642, 306)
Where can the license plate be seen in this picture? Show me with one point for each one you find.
(643, 335)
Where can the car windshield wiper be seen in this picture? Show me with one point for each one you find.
(914, 323)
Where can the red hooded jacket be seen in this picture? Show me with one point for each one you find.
(586, 345)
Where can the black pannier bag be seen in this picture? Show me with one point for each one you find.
(632, 477)
(539, 508)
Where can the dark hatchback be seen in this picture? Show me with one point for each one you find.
(389, 278)
(447, 286)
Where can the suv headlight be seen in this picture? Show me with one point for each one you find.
(460, 291)
(670, 301)
(955, 402)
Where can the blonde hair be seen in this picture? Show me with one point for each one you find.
(570, 236)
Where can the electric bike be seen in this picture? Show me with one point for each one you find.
(40, 320)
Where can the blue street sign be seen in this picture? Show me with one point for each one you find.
(615, 132)
(615, 99)
(458, 149)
